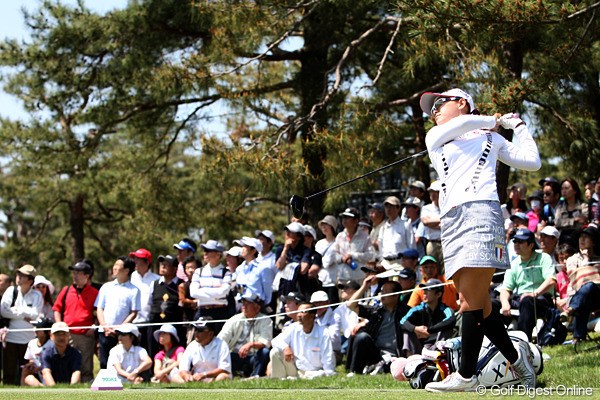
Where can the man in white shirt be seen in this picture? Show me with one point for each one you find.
(353, 248)
(20, 304)
(303, 350)
(395, 236)
(118, 302)
(348, 318)
(143, 278)
(206, 358)
(266, 259)
(330, 321)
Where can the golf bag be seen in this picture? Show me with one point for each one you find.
(492, 368)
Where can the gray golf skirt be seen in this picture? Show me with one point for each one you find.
(473, 236)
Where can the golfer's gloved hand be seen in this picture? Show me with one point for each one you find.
(510, 121)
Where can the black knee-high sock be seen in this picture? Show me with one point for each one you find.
(472, 337)
(495, 330)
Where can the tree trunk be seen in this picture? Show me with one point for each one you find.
(76, 218)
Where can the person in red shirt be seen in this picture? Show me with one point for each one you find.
(75, 306)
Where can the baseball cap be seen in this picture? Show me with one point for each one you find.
(169, 259)
(537, 194)
(295, 227)
(204, 323)
(251, 297)
(166, 328)
(350, 212)
(348, 285)
(550, 231)
(393, 200)
(433, 282)
(427, 259)
(547, 179)
(43, 323)
(235, 251)
(436, 186)
(268, 234)
(329, 220)
(389, 273)
(309, 230)
(59, 327)
(407, 273)
(410, 253)
(142, 253)
(428, 98)
(295, 296)
(418, 185)
(82, 266)
(213, 245)
(525, 234)
(377, 206)
(28, 270)
(519, 215)
(593, 232)
(128, 328)
(413, 201)
(318, 296)
(184, 245)
(251, 242)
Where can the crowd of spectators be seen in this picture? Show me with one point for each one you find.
(363, 292)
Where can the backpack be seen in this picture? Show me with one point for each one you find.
(5, 322)
(553, 332)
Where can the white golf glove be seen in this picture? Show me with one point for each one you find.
(510, 121)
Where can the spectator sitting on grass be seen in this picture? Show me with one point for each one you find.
(304, 349)
(248, 339)
(61, 363)
(166, 361)
(128, 359)
(207, 358)
(33, 354)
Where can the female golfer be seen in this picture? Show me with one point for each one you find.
(464, 148)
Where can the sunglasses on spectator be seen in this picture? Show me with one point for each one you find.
(548, 193)
(440, 101)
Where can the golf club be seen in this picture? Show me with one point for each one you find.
(298, 203)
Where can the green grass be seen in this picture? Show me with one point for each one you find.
(565, 368)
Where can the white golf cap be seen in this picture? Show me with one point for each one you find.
(128, 328)
(436, 186)
(319, 295)
(250, 242)
(550, 231)
(235, 251)
(428, 98)
(268, 234)
(310, 230)
(295, 227)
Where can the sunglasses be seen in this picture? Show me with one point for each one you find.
(440, 101)
(548, 193)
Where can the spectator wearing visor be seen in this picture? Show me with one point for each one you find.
(212, 285)
(185, 248)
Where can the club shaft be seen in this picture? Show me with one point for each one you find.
(419, 154)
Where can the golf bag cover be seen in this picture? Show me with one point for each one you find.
(492, 367)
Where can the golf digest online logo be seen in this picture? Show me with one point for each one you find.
(560, 390)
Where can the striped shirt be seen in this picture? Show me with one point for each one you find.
(211, 285)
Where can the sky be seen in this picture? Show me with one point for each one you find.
(12, 26)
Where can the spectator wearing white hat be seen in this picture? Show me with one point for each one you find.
(20, 304)
(326, 248)
(430, 224)
(412, 206)
(206, 358)
(548, 241)
(128, 359)
(267, 260)
(304, 349)
(250, 275)
(331, 321)
(61, 363)
(292, 256)
(46, 288)
(353, 247)
(395, 237)
(166, 361)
